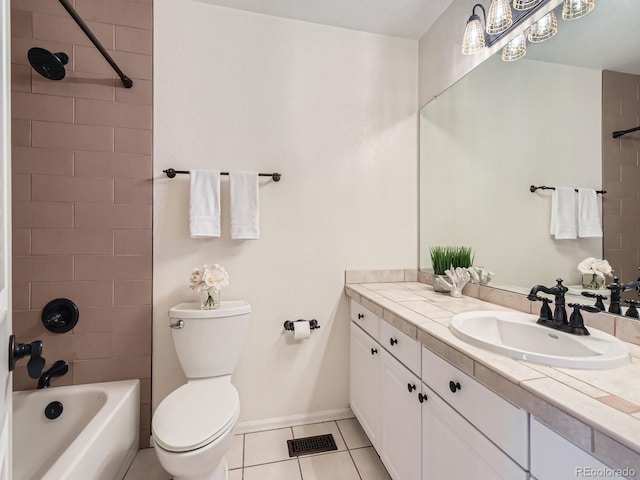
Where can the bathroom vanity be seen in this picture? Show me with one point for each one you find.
(435, 407)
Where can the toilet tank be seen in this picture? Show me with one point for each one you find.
(210, 341)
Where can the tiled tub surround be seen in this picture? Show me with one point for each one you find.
(82, 191)
(598, 410)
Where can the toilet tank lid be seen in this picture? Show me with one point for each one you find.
(228, 308)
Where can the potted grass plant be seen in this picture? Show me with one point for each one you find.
(445, 257)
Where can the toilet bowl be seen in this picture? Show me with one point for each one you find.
(193, 426)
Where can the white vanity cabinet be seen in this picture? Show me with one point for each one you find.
(454, 449)
(400, 432)
(467, 430)
(555, 458)
(364, 381)
(384, 391)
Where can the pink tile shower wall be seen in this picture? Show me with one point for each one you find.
(82, 190)
(621, 174)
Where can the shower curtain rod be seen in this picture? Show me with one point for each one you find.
(126, 81)
(620, 133)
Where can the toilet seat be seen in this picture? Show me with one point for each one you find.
(195, 415)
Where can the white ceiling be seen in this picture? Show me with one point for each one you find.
(400, 18)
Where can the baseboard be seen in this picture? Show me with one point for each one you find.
(250, 426)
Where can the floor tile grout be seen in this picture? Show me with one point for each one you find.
(332, 427)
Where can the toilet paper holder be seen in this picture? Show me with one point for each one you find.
(313, 324)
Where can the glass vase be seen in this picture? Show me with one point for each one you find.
(209, 299)
(592, 281)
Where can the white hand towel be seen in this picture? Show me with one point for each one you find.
(589, 225)
(204, 209)
(564, 220)
(245, 218)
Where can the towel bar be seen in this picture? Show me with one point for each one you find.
(171, 172)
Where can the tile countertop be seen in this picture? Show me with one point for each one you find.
(598, 410)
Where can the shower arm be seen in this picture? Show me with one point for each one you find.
(620, 133)
(126, 81)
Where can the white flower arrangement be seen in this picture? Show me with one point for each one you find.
(209, 276)
(595, 266)
(209, 280)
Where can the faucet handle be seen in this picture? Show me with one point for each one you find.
(576, 322)
(632, 311)
(599, 304)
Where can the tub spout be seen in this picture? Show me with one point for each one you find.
(58, 369)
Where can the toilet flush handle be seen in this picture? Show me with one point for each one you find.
(178, 324)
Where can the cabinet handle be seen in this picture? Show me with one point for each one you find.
(422, 398)
(374, 351)
(454, 386)
(393, 341)
(361, 315)
(411, 387)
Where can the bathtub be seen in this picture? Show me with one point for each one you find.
(94, 438)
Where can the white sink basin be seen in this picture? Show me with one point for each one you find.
(517, 335)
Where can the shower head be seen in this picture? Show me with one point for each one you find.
(49, 65)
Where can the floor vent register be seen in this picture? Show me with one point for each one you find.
(310, 445)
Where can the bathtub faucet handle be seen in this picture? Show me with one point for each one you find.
(36, 363)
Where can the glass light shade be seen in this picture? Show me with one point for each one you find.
(572, 9)
(473, 40)
(515, 49)
(543, 29)
(525, 4)
(500, 17)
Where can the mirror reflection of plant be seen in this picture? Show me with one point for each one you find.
(444, 257)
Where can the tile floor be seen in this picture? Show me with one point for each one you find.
(264, 456)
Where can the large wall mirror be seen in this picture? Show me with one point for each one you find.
(541, 120)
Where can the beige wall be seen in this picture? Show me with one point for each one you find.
(621, 174)
(82, 190)
(334, 111)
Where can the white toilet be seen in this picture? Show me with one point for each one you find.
(193, 426)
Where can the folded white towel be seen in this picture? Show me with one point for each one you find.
(564, 220)
(204, 209)
(589, 225)
(244, 211)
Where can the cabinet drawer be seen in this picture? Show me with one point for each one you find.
(401, 346)
(552, 456)
(502, 422)
(368, 320)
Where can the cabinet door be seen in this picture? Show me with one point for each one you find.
(453, 449)
(400, 419)
(364, 380)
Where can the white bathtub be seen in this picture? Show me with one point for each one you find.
(95, 437)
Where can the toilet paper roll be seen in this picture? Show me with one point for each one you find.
(301, 330)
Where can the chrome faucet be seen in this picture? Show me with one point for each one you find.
(559, 317)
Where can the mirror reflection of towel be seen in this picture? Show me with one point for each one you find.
(589, 225)
(564, 219)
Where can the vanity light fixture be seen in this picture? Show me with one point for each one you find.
(515, 49)
(473, 40)
(572, 9)
(525, 4)
(498, 22)
(543, 29)
(500, 17)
